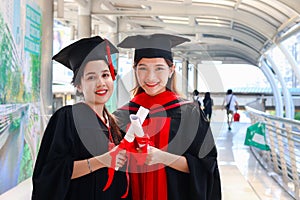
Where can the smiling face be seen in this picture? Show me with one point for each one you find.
(152, 75)
(96, 83)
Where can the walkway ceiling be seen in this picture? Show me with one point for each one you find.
(231, 31)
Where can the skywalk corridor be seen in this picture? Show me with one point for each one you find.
(242, 176)
(261, 34)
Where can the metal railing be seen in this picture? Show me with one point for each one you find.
(283, 159)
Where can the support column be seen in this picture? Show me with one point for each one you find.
(96, 29)
(288, 102)
(60, 8)
(185, 65)
(46, 97)
(72, 32)
(84, 20)
(270, 76)
(196, 76)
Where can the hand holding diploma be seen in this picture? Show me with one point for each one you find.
(127, 144)
(142, 140)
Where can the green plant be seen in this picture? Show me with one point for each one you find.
(297, 116)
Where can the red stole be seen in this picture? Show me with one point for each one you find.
(150, 181)
(153, 102)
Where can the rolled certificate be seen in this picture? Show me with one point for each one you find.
(136, 124)
(141, 115)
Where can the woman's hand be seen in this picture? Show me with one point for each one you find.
(105, 158)
(86, 166)
(156, 156)
(121, 159)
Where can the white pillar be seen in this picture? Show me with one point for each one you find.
(84, 20)
(185, 64)
(288, 102)
(72, 32)
(60, 8)
(277, 95)
(46, 97)
(195, 75)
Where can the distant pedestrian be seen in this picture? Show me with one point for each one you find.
(231, 103)
(196, 97)
(208, 103)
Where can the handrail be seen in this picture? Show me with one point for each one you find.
(283, 159)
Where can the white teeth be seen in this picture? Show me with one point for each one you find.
(101, 92)
(151, 84)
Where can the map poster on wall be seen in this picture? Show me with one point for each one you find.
(20, 58)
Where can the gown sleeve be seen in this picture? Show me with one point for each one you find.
(54, 165)
(204, 178)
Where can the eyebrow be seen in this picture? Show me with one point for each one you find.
(156, 65)
(91, 73)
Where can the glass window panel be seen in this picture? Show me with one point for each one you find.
(283, 66)
(292, 44)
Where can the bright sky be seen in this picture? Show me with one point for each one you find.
(220, 77)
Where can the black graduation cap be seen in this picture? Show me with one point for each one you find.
(152, 46)
(84, 50)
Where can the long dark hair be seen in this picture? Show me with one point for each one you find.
(207, 95)
(115, 130)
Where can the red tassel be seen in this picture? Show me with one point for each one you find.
(111, 67)
(129, 147)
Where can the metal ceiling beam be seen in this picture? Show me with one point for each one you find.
(158, 9)
(293, 4)
(255, 25)
(220, 45)
(83, 3)
(188, 30)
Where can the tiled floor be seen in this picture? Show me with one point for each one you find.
(242, 177)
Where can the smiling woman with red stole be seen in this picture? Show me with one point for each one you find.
(181, 160)
(74, 155)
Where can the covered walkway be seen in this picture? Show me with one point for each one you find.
(262, 33)
(242, 175)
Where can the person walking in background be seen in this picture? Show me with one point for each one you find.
(196, 98)
(74, 155)
(181, 159)
(231, 103)
(208, 103)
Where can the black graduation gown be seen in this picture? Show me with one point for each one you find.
(74, 133)
(190, 136)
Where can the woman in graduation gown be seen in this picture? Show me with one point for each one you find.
(181, 159)
(74, 155)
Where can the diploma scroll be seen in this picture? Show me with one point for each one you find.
(139, 116)
(127, 144)
(136, 124)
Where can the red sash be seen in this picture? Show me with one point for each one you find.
(150, 182)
